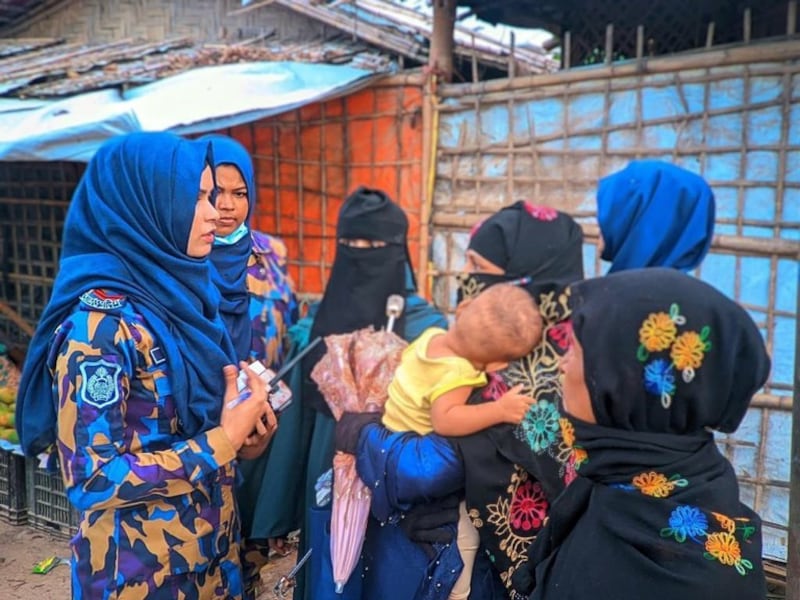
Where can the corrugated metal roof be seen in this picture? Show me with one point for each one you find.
(42, 68)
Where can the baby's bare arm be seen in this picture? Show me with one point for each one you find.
(452, 416)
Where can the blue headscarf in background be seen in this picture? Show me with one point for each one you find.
(654, 214)
(127, 230)
(230, 258)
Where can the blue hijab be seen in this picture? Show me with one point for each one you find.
(654, 214)
(229, 258)
(127, 230)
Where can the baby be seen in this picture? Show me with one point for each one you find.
(438, 372)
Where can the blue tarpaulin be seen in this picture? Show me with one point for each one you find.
(196, 101)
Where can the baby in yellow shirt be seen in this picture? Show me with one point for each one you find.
(439, 370)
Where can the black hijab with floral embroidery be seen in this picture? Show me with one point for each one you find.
(512, 473)
(655, 510)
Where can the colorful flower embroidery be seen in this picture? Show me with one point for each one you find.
(657, 485)
(725, 522)
(686, 522)
(689, 350)
(724, 547)
(579, 456)
(540, 426)
(528, 507)
(516, 508)
(561, 334)
(659, 379)
(542, 213)
(657, 332)
(689, 522)
(567, 432)
(496, 387)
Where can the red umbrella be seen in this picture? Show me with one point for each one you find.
(353, 376)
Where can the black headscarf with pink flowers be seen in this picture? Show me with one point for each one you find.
(655, 509)
(512, 473)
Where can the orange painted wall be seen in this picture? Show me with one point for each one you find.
(309, 159)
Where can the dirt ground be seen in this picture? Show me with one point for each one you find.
(21, 547)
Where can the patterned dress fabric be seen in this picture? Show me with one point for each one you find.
(273, 305)
(513, 473)
(158, 517)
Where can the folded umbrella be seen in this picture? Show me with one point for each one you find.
(353, 376)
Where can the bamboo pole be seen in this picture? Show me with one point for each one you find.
(793, 545)
(430, 141)
(710, 34)
(747, 25)
(609, 51)
(639, 43)
(791, 17)
(720, 56)
(566, 49)
(474, 60)
(512, 66)
(17, 319)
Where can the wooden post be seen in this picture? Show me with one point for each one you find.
(710, 35)
(609, 44)
(440, 59)
(512, 66)
(639, 43)
(747, 25)
(475, 76)
(793, 547)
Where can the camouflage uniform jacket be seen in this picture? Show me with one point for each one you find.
(158, 516)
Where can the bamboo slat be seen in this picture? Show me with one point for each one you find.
(720, 56)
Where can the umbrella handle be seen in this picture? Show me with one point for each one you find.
(288, 581)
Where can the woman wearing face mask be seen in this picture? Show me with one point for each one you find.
(124, 377)
(258, 307)
(658, 361)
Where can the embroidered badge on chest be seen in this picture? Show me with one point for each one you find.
(100, 383)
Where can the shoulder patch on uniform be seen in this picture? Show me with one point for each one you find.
(100, 382)
(102, 300)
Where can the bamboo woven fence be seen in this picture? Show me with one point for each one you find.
(33, 202)
(729, 114)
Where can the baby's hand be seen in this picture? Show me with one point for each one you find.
(514, 405)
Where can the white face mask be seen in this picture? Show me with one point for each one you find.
(232, 237)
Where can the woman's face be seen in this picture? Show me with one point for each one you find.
(204, 225)
(475, 263)
(575, 395)
(232, 201)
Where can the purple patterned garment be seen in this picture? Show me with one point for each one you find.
(158, 517)
(273, 306)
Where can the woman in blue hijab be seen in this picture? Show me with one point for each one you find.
(129, 376)
(655, 214)
(258, 307)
